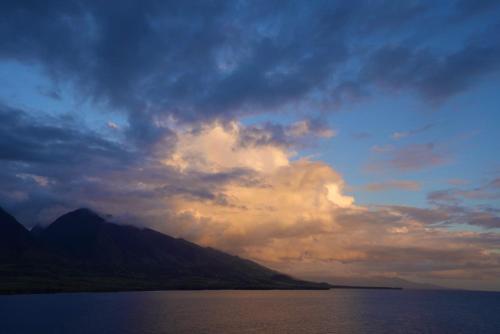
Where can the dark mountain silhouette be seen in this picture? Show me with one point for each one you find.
(81, 251)
(37, 230)
(15, 239)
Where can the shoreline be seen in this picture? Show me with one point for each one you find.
(71, 291)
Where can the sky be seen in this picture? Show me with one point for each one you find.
(325, 138)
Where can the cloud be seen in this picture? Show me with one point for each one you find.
(40, 159)
(485, 192)
(425, 216)
(484, 219)
(308, 127)
(234, 57)
(473, 206)
(238, 58)
(348, 92)
(299, 134)
(361, 135)
(441, 196)
(382, 148)
(216, 148)
(51, 93)
(411, 157)
(31, 140)
(40, 180)
(435, 78)
(403, 134)
(417, 156)
(393, 185)
(457, 182)
(283, 195)
(469, 8)
(112, 125)
(495, 183)
(399, 240)
(300, 194)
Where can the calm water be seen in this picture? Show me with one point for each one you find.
(336, 311)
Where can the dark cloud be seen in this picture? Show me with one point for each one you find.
(153, 56)
(442, 196)
(473, 206)
(199, 60)
(433, 76)
(348, 92)
(484, 219)
(485, 192)
(40, 160)
(27, 139)
(470, 8)
(299, 134)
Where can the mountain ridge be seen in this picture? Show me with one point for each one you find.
(374, 281)
(81, 251)
(15, 239)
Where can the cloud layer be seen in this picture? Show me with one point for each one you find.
(198, 61)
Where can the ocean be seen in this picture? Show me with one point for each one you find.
(220, 312)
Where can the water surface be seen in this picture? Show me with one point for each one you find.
(334, 311)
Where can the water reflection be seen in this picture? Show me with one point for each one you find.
(335, 311)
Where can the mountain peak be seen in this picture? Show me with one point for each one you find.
(37, 230)
(82, 211)
(80, 215)
(7, 219)
(5, 216)
(74, 220)
(14, 237)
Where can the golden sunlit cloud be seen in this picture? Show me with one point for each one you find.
(294, 215)
(285, 198)
(216, 148)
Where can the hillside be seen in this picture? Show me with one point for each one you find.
(81, 251)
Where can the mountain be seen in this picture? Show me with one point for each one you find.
(375, 281)
(15, 239)
(36, 230)
(81, 251)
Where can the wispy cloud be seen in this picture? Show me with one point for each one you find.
(418, 156)
(487, 191)
(112, 125)
(393, 185)
(411, 157)
(403, 134)
(382, 148)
